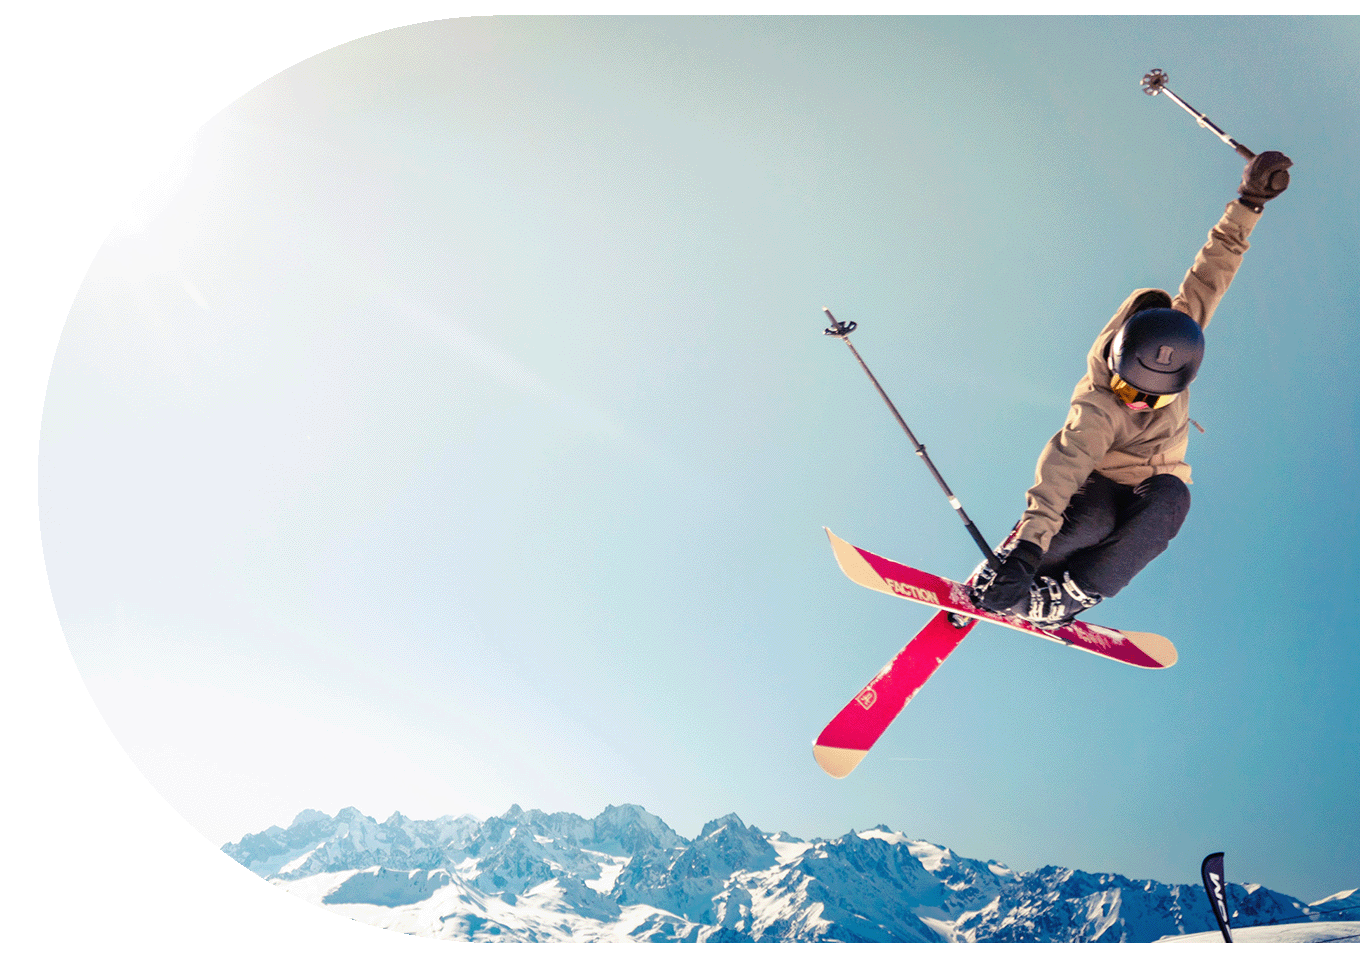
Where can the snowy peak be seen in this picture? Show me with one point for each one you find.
(629, 829)
(1344, 899)
(727, 845)
(306, 816)
(720, 824)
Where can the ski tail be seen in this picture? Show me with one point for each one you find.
(846, 740)
(854, 566)
(837, 761)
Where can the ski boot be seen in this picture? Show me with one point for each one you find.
(1055, 604)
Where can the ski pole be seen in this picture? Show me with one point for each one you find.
(842, 331)
(1154, 83)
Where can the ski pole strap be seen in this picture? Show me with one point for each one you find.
(841, 331)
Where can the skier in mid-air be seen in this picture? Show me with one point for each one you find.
(1110, 487)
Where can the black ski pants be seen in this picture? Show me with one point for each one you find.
(1111, 531)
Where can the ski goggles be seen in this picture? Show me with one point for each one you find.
(1131, 395)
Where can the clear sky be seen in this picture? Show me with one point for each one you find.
(451, 426)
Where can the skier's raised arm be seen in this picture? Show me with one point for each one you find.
(1110, 488)
(1216, 264)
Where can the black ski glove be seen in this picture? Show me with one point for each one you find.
(1011, 583)
(1265, 178)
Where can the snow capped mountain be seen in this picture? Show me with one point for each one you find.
(626, 876)
(1339, 906)
(316, 843)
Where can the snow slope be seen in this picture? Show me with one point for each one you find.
(1321, 931)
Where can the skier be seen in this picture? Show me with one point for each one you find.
(1110, 487)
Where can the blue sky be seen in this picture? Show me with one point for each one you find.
(450, 426)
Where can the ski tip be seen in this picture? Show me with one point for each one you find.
(1157, 647)
(837, 761)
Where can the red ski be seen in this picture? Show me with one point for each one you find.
(848, 737)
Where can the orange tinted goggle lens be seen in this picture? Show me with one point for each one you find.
(1128, 393)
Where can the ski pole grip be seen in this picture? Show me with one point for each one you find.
(1246, 154)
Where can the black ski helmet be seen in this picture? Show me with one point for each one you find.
(1158, 351)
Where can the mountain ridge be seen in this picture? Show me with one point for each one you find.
(626, 876)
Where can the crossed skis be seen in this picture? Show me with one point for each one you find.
(848, 737)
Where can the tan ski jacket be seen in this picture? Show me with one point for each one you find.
(1102, 434)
